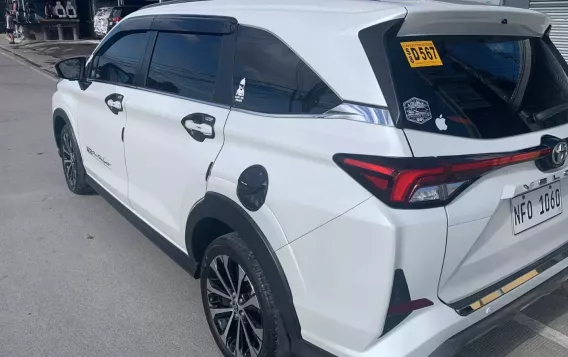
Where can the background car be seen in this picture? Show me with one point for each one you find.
(107, 17)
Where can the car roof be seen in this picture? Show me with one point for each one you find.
(324, 33)
(342, 6)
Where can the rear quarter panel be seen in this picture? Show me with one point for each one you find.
(306, 188)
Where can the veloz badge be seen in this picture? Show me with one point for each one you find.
(421, 54)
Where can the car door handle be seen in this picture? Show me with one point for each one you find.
(206, 129)
(199, 126)
(114, 103)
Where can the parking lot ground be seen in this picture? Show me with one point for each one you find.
(44, 55)
(76, 279)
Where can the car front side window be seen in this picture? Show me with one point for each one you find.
(118, 62)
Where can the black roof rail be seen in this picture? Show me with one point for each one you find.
(170, 2)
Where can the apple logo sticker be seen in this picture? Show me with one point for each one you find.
(441, 123)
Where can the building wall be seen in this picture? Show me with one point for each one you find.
(558, 12)
(524, 4)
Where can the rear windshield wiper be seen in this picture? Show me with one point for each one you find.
(546, 114)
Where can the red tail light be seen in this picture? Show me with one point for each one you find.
(116, 19)
(426, 182)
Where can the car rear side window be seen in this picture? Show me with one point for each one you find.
(185, 65)
(477, 87)
(119, 62)
(270, 78)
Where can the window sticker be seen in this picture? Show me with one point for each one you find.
(441, 123)
(417, 110)
(240, 95)
(421, 54)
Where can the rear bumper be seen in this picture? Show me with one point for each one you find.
(338, 319)
(455, 343)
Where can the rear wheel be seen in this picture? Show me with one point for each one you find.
(238, 301)
(72, 161)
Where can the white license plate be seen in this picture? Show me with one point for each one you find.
(534, 207)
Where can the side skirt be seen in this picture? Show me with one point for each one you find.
(160, 241)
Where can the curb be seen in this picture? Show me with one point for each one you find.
(49, 71)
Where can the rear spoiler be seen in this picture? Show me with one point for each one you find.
(432, 18)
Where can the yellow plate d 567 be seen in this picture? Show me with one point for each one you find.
(421, 54)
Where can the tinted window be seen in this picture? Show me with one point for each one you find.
(119, 62)
(185, 64)
(484, 87)
(274, 79)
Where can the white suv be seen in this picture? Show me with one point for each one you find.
(346, 178)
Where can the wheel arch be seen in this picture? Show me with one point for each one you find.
(60, 119)
(220, 214)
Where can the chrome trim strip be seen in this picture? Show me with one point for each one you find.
(344, 111)
(560, 256)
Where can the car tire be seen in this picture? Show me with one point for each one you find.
(72, 162)
(238, 304)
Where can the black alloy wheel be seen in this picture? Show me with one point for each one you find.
(69, 159)
(73, 168)
(234, 307)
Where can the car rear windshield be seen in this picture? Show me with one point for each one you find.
(478, 87)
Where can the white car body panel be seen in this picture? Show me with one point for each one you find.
(440, 18)
(333, 253)
(154, 139)
(264, 217)
(482, 248)
(67, 98)
(306, 187)
(100, 134)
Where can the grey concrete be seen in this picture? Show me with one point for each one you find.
(513, 340)
(76, 279)
(45, 54)
(552, 311)
(61, 293)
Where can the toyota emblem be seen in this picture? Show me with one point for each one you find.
(559, 153)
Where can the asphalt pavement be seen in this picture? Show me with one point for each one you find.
(76, 279)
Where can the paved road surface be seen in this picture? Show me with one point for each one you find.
(62, 294)
(76, 279)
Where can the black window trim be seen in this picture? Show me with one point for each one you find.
(273, 115)
(373, 40)
(194, 24)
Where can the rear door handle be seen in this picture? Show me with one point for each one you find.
(114, 103)
(199, 126)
